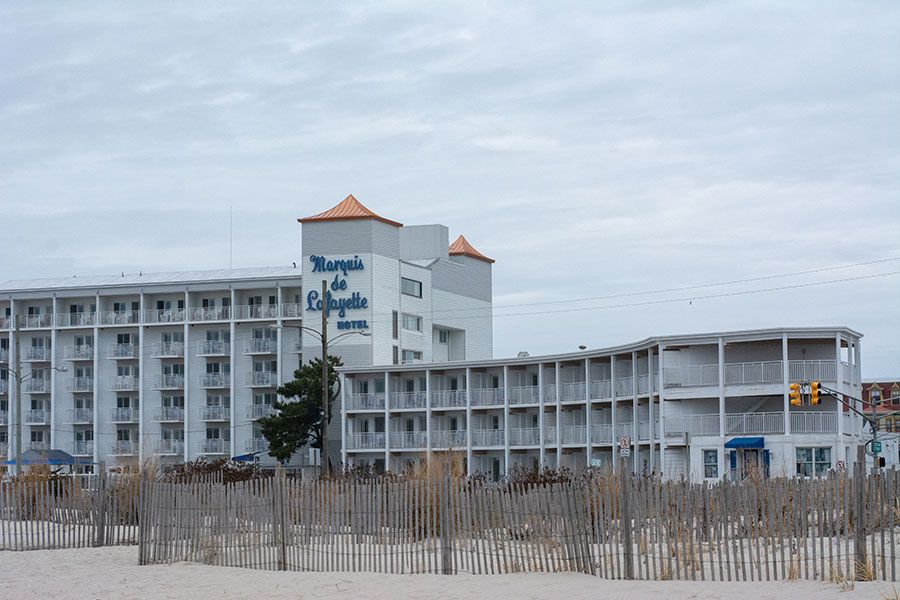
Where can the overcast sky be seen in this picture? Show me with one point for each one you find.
(591, 151)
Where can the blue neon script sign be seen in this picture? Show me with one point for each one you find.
(356, 301)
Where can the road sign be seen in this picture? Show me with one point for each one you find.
(876, 447)
(624, 452)
(625, 442)
(596, 462)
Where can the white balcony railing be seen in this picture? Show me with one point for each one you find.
(256, 445)
(4, 417)
(4, 386)
(78, 352)
(124, 414)
(601, 433)
(215, 380)
(257, 311)
(624, 386)
(79, 415)
(169, 414)
(408, 439)
(123, 383)
(164, 315)
(76, 319)
(215, 412)
(754, 372)
(292, 310)
(707, 424)
(691, 376)
(486, 438)
(526, 394)
(487, 397)
(448, 439)
(5, 322)
(260, 411)
(814, 370)
(124, 447)
(39, 445)
(215, 446)
(214, 348)
(37, 416)
(37, 385)
(528, 436)
(80, 384)
(120, 317)
(262, 379)
(83, 448)
(448, 398)
(36, 354)
(169, 382)
(170, 447)
(261, 346)
(600, 388)
(365, 441)
(216, 313)
(550, 433)
(408, 399)
(764, 422)
(4, 355)
(121, 351)
(573, 434)
(814, 422)
(365, 402)
(32, 321)
(572, 391)
(167, 350)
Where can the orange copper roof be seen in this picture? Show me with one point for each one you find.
(462, 247)
(348, 208)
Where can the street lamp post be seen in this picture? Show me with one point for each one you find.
(20, 379)
(323, 337)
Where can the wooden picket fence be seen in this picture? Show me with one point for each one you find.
(610, 526)
(68, 512)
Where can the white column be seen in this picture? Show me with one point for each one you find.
(662, 411)
(53, 397)
(612, 415)
(558, 389)
(505, 420)
(635, 415)
(343, 417)
(96, 364)
(387, 421)
(279, 322)
(587, 414)
(839, 386)
(786, 376)
(187, 379)
(141, 397)
(469, 452)
(650, 411)
(721, 370)
(428, 445)
(542, 452)
(232, 375)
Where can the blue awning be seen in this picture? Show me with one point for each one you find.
(49, 457)
(745, 442)
(249, 457)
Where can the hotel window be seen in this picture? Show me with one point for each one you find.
(411, 355)
(411, 287)
(412, 322)
(395, 326)
(444, 336)
(895, 392)
(813, 461)
(711, 464)
(396, 355)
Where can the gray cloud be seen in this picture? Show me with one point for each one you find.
(590, 149)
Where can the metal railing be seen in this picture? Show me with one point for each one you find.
(448, 398)
(37, 416)
(812, 370)
(525, 436)
(120, 317)
(691, 376)
(83, 448)
(450, 438)
(486, 438)
(408, 399)
(121, 351)
(365, 441)
(32, 321)
(550, 433)
(4, 386)
(573, 434)
(37, 386)
(164, 315)
(169, 382)
(215, 446)
(79, 384)
(76, 319)
(78, 352)
(256, 311)
(124, 447)
(216, 313)
(814, 422)
(215, 412)
(262, 379)
(123, 383)
(705, 424)
(601, 433)
(624, 386)
(169, 414)
(292, 310)
(487, 396)
(524, 394)
(4, 355)
(214, 348)
(256, 445)
(124, 414)
(36, 354)
(572, 392)
(79, 415)
(261, 346)
(771, 371)
(260, 411)
(215, 380)
(4, 417)
(764, 422)
(39, 445)
(408, 439)
(175, 447)
(365, 401)
(167, 350)
(600, 388)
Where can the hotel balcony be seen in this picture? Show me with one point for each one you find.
(215, 446)
(805, 422)
(124, 447)
(124, 414)
(169, 382)
(261, 346)
(4, 355)
(256, 445)
(257, 311)
(4, 386)
(39, 445)
(82, 319)
(217, 313)
(214, 348)
(122, 317)
(292, 311)
(528, 436)
(526, 394)
(37, 321)
(36, 386)
(79, 384)
(482, 397)
(262, 379)
(215, 412)
(365, 402)
(167, 350)
(749, 373)
(404, 440)
(165, 315)
(215, 380)
(4, 417)
(169, 414)
(573, 434)
(124, 383)
(487, 438)
(121, 351)
(79, 416)
(5, 322)
(83, 448)
(260, 411)
(36, 354)
(37, 416)
(448, 399)
(170, 447)
(449, 438)
(415, 400)
(365, 441)
(78, 352)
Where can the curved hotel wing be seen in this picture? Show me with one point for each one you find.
(700, 406)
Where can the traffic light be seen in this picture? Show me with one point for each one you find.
(813, 393)
(794, 394)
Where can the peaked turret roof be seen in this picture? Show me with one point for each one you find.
(346, 209)
(462, 247)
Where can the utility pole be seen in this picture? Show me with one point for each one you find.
(326, 405)
(872, 404)
(18, 373)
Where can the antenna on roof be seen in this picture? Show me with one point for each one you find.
(230, 237)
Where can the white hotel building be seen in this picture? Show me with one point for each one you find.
(182, 365)
(702, 406)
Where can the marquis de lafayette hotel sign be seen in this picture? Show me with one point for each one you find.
(338, 298)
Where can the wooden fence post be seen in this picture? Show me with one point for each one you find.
(279, 519)
(627, 543)
(100, 507)
(859, 518)
(142, 520)
(446, 534)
